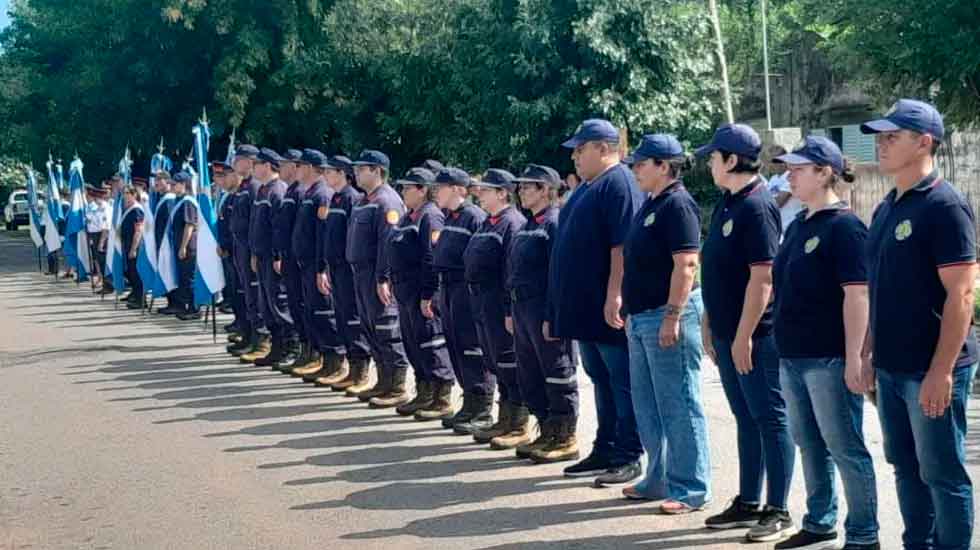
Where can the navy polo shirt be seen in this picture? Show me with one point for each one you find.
(818, 258)
(595, 220)
(665, 225)
(929, 227)
(127, 227)
(744, 232)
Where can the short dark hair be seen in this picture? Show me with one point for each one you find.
(677, 165)
(744, 165)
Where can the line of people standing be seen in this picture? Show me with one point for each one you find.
(333, 274)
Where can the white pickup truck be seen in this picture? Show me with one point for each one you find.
(16, 212)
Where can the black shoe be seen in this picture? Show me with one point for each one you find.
(134, 305)
(232, 327)
(226, 308)
(809, 539)
(592, 465)
(774, 525)
(619, 475)
(738, 514)
(856, 546)
(192, 315)
(168, 310)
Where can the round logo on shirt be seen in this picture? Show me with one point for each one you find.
(726, 229)
(650, 219)
(392, 217)
(903, 230)
(322, 212)
(811, 245)
(434, 237)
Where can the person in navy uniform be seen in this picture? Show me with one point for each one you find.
(485, 271)
(545, 368)
(336, 279)
(664, 306)
(184, 218)
(234, 294)
(253, 333)
(327, 350)
(410, 259)
(297, 351)
(737, 256)
(130, 232)
(921, 273)
(463, 219)
(272, 293)
(372, 223)
(820, 317)
(584, 289)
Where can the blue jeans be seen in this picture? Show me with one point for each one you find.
(608, 367)
(825, 419)
(666, 386)
(756, 401)
(935, 493)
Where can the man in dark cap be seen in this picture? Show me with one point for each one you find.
(272, 292)
(372, 222)
(336, 278)
(295, 351)
(252, 329)
(921, 342)
(162, 184)
(326, 353)
(233, 293)
(584, 289)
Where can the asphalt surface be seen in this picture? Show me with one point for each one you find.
(131, 432)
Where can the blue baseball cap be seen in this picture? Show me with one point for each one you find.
(740, 139)
(593, 129)
(270, 156)
(370, 157)
(292, 155)
(313, 157)
(247, 151)
(218, 166)
(182, 177)
(432, 165)
(340, 163)
(909, 114)
(453, 176)
(816, 150)
(417, 176)
(539, 173)
(656, 146)
(497, 179)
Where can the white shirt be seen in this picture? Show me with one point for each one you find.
(97, 216)
(780, 184)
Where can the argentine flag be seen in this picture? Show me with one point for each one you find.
(117, 263)
(76, 238)
(35, 216)
(52, 214)
(167, 254)
(146, 259)
(209, 277)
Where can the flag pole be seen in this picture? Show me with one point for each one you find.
(214, 321)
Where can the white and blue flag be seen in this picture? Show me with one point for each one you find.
(77, 252)
(53, 213)
(209, 277)
(35, 214)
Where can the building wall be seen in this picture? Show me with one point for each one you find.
(959, 163)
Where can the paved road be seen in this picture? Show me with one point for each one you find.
(138, 433)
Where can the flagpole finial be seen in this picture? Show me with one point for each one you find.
(160, 147)
(204, 115)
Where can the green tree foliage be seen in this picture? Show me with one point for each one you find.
(929, 48)
(471, 82)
